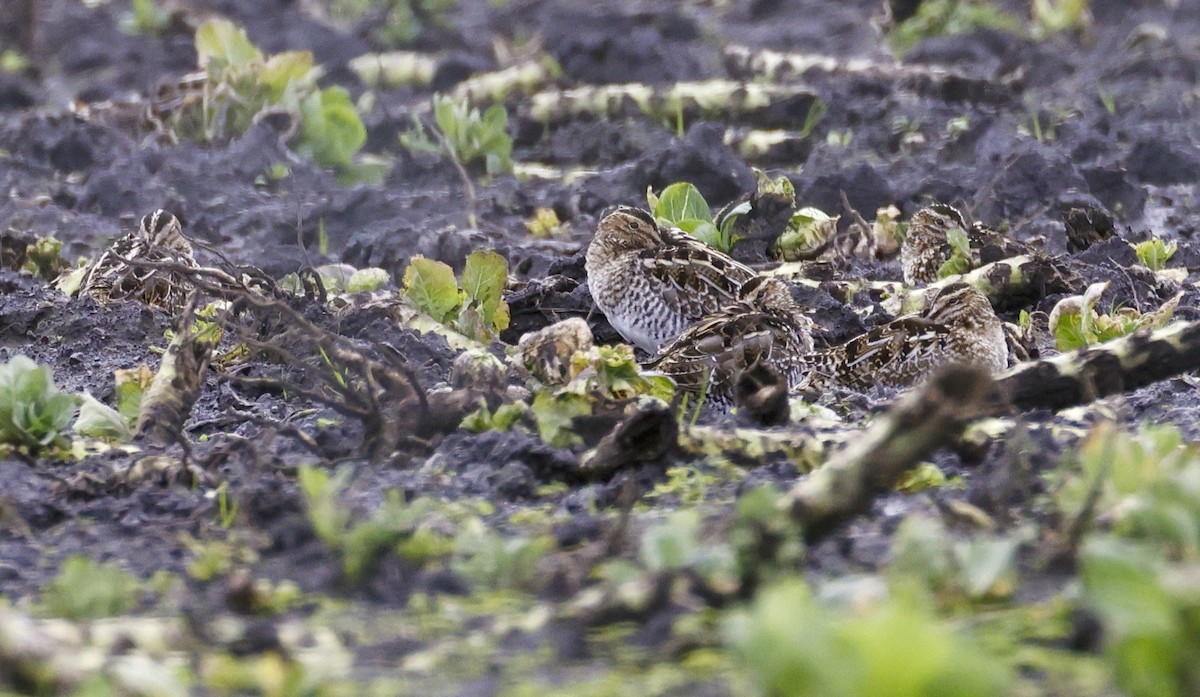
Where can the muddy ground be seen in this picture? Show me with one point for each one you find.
(1115, 107)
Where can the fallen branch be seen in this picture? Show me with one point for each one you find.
(1121, 365)
(168, 400)
(919, 423)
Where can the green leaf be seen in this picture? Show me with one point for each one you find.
(98, 420)
(483, 280)
(958, 240)
(555, 413)
(130, 387)
(673, 544)
(780, 185)
(33, 412)
(707, 233)
(326, 512)
(1070, 334)
(221, 44)
(432, 288)
(987, 565)
(1154, 253)
(955, 265)
(924, 476)
(807, 229)
(331, 130)
(681, 202)
(368, 280)
(84, 589)
(282, 69)
(472, 137)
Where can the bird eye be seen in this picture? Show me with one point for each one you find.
(634, 226)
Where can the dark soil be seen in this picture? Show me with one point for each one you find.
(883, 141)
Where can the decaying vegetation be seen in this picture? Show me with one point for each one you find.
(389, 447)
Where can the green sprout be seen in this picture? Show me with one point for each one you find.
(398, 24)
(544, 223)
(34, 414)
(145, 17)
(1054, 16)
(1074, 322)
(1154, 253)
(816, 112)
(85, 589)
(682, 205)
(960, 257)
(467, 135)
(794, 644)
(948, 17)
(241, 83)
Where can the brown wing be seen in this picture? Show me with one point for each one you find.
(697, 279)
(714, 350)
(895, 353)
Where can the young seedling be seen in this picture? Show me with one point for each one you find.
(1154, 253)
(34, 414)
(474, 305)
(1074, 322)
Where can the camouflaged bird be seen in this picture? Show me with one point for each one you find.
(159, 239)
(957, 325)
(653, 282)
(762, 326)
(926, 246)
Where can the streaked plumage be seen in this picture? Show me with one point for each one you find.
(957, 325)
(653, 282)
(159, 239)
(926, 247)
(763, 325)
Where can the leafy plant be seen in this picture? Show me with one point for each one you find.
(1138, 485)
(896, 647)
(491, 560)
(85, 589)
(682, 205)
(982, 567)
(947, 17)
(1074, 322)
(240, 83)
(675, 544)
(470, 137)
(1154, 253)
(544, 223)
(98, 420)
(1138, 489)
(598, 374)
(1151, 616)
(960, 256)
(393, 23)
(1054, 16)
(227, 506)
(807, 230)
(145, 17)
(331, 132)
(131, 384)
(360, 544)
(816, 112)
(887, 231)
(34, 414)
(43, 258)
(472, 305)
(12, 61)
